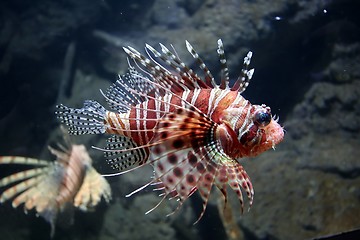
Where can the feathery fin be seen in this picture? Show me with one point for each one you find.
(120, 159)
(87, 120)
(23, 161)
(190, 159)
(93, 188)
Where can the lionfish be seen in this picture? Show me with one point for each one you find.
(191, 130)
(52, 187)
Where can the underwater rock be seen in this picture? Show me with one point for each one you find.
(308, 186)
(131, 223)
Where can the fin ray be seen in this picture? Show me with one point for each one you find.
(87, 120)
(20, 187)
(189, 158)
(19, 176)
(209, 79)
(22, 160)
(224, 68)
(94, 187)
(124, 153)
(244, 79)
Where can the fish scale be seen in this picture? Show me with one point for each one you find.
(191, 130)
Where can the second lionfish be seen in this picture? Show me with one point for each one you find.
(55, 187)
(191, 130)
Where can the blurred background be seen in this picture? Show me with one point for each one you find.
(307, 69)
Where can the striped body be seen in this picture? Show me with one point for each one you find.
(212, 102)
(50, 187)
(191, 130)
(71, 173)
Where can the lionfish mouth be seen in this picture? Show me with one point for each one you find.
(276, 133)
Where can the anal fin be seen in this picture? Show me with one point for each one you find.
(122, 153)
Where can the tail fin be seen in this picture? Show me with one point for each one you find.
(87, 120)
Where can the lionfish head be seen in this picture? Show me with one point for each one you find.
(262, 131)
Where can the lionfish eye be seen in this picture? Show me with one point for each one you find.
(262, 119)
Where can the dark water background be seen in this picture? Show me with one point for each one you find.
(307, 68)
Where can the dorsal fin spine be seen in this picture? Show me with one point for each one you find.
(224, 68)
(245, 76)
(209, 79)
